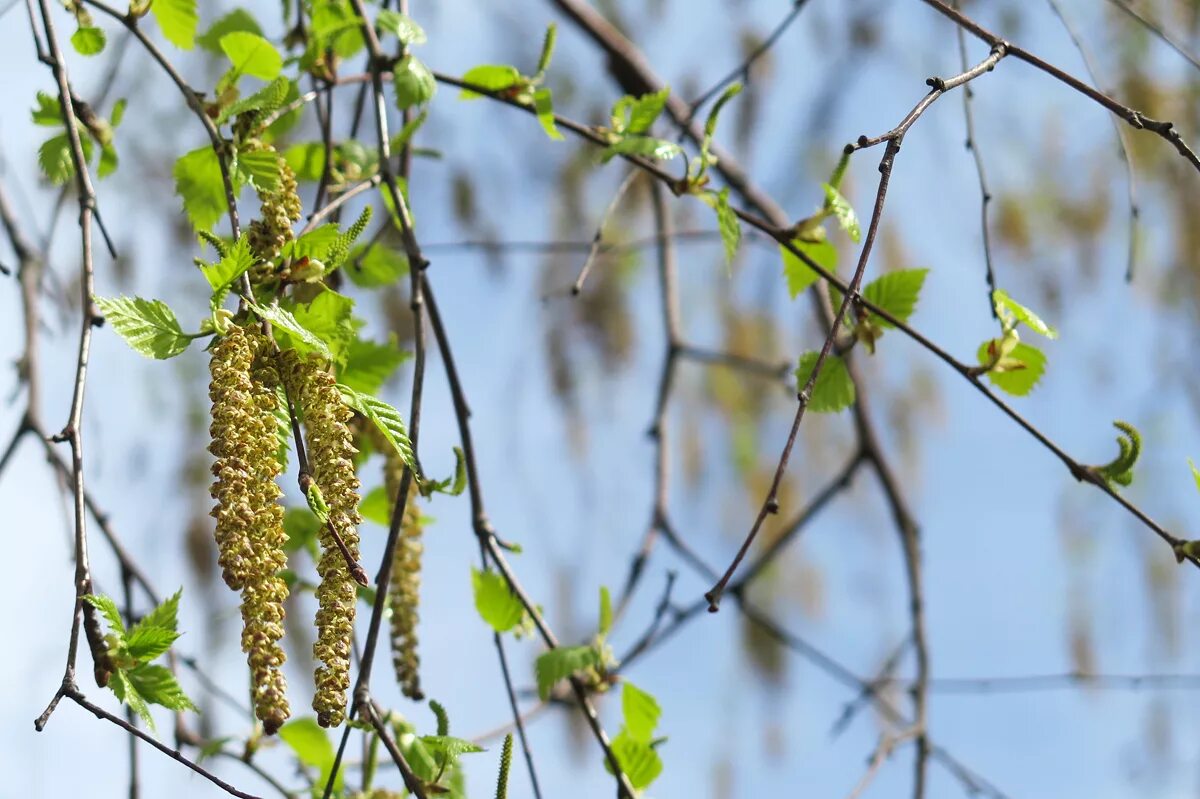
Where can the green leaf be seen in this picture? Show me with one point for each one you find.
(843, 211)
(198, 181)
(413, 83)
(376, 507)
(1195, 473)
(799, 274)
(637, 115)
(148, 326)
(384, 417)
(108, 608)
(1016, 373)
(297, 334)
(1006, 306)
(312, 748)
(895, 292)
(606, 611)
(543, 104)
(237, 20)
(146, 643)
(710, 124)
(224, 272)
(251, 54)
(302, 528)
(560, 663)
(497, 605)
(108, 161)
(157, 685)
(54, 157)
(637, 759)
(729, 225)
(165, 615)
(375, 265)
(449, 747)
(401, 26)
(125, 691)
(641, 712)
(118, 112)
(834, 390)
(493, 77)
(406, 133)
(643, 146)
(88, 41)
(369, 365)
(178, 20)
(48, 112)
(328, 316)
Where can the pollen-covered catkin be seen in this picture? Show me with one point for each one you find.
(250, 534)
(280, 209)
(331, 461)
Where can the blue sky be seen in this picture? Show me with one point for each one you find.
(1001, 586)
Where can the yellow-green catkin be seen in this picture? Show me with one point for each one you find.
(280, 209)
(405, 595)
(249, 528)
(331, 462)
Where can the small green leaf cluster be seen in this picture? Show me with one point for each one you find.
(636, 747)
(1009, 363)
(591, 662)
(54, 156)
(136, 680)
(508, 82)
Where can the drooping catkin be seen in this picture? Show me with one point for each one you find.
(249, 531)
(281, 207)
(331, 461)
(404, 592)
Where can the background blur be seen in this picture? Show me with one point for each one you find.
(1027, 572)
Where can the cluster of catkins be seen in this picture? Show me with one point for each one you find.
(246, 370)
(404, 589)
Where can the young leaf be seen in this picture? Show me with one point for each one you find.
(493, 77)
(311, 747)
(447, 748)
(450, 486)
(641, 712)
(372, 266)
(799, 275)
(843, 211)
(896, 293)
(88, 40)
(401, 26)
(108, 608)
(250, 54)
(834, 390)
(148, 326)
(606, 611)
(414, 84)
(729, 225)
(266, 100)
(54, 158)
(1018, 371)
(369, 365)
(376, 507)
(178, 20)
(158, 686)
(406, 133)
(638, 760)
(125, 692)
(544, 106)
(231, 266)
(165, 615)
(328, 316)
(384, 417)
(145, 643)
(1195, 473)
(1005, 303)
(237, 20)
(547, 50)
(302, 528)
(497, 605)
(637, 115)
(198, 181)
(560, 663)
(299, 336)
(48, 112)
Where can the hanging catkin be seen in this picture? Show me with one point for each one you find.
(249, 529)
